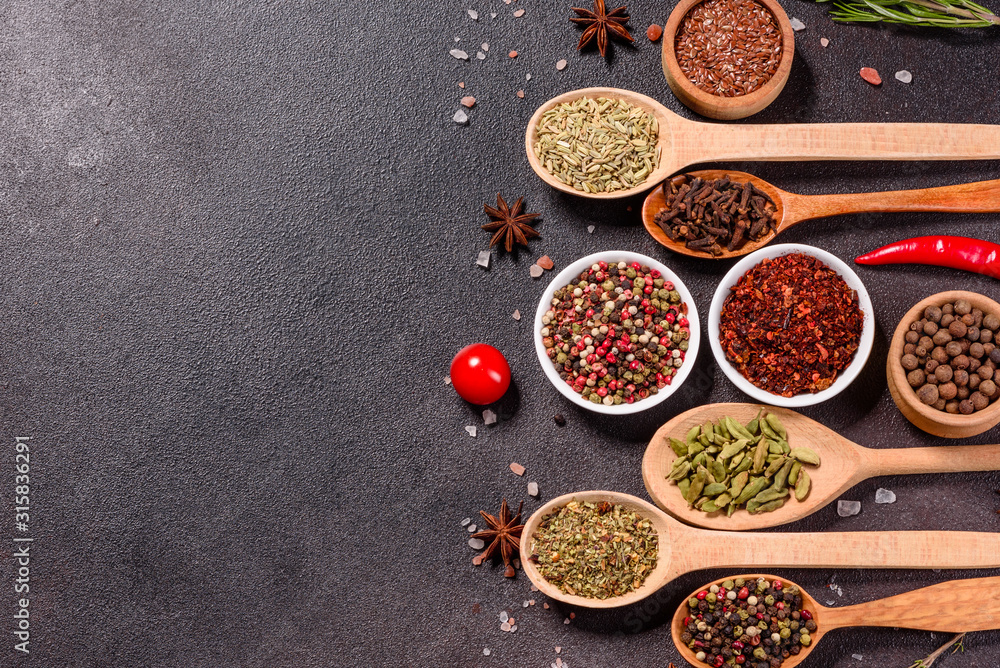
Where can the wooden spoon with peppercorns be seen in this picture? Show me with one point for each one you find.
(843, 464)
(682, 549)
(787, 209)
(967, 609)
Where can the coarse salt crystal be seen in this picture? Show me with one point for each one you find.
(457, 40)
(517, 468)
(460, 117)
(558, 649)
(489, 417)
(512, 54)
(561, 65)
(486, 652)
(534, 588)
(524, 605)
(468, 101)
(824, 42)
(471, 429)
(473, 14)
(532, 489)
(566, 621)
(531, 601)
(590, 229)
(527, 77)
(535, 271)
(461, 84)
(884, 496)
(904, 76)
(516, 315)
(504, 616)
(466, 521)
(447, 380)
(513, 627)
(545, 605)
(519, 13)
(848, 508)
(483, 259)
(480, 55)
(505, 627)
(493, 15)
(476, 543)
(458, 53)
(545, 262)
(871, 75)
(797, 25)
(471, 528)
(857, 657)
(485, 46)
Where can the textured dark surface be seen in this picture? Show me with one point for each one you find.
(238, 252)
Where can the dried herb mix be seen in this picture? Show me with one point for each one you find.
(951, 357)
(711, 215)
(752, 623)
(597, 146)
(728, 47)
(618, 333)
(595, 550)
(790, 325)
(724, 466)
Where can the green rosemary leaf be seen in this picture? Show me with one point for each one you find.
(930, 13)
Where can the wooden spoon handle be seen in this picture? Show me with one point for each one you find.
(979, 197)
(948, 459)
(850, 141)
(862, 549)
(956, 606)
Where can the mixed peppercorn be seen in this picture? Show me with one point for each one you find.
(753, 623)
(790, 325)
(618, 333)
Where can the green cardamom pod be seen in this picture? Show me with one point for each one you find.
(770, 494)
(731, 509)
(695, 448)
(802, 485)
(805, 455)
(793, 475)
(697, 485)
(776, 425)
(692, 435)
(707, 430)
(708, 507)
(720, 430)
(754, 425)
(680, 472)
(775, 466)
(736, 429)
(774, 447)
(785, 449)
(736, 460)
(718, 470)
(752, 505)
(744, 465)
(765, 429)
(683, 486)
(739, 482)
(714, 489)
(781, 479)
(753, 488)
(759, 456)
(699, 459)
(769, 506)
(679, 447)
(703, 439)
(733, 448)
(722, 500)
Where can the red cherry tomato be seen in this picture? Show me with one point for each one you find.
(480, 374)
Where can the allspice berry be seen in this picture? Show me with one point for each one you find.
(991, 322)
(976, 350)
(961, 362)
(965, 407)
(960, 377)
(932, 313)
(928, 394)
(939, 355)
(951, 407)
(909, 362)
(911, 337)
(953, 349)
(916, 378)
(957, 329)
(979, 401)
(930, 328)
(943, 372)
(972, 334)
(985, 336)
(930, 366)
(962, 307)
(946, 320)
(988, 388)
(947, 391)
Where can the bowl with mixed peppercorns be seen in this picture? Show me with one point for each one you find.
(943, 366)
(616, 332)
(791, 325)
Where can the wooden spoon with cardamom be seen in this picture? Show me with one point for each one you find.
(843, 464)
(682, 549)
(682, 142)
(792, 209)
(967, 609)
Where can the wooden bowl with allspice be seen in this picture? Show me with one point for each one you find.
(943, 367)
(727, 59)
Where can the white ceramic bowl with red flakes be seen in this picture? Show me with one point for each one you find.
(569, 274)
(845, 378)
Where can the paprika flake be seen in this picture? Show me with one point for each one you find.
(790, 325)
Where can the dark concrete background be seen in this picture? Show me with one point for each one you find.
(238, 252)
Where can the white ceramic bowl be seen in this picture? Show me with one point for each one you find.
(563, 278)
(845, 378)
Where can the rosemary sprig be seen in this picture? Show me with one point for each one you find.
(928, 661)
(932, 13)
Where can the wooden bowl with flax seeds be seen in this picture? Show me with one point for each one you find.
(727, 59)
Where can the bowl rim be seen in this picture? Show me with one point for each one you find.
(860, 356)
(563, 278)
(726, 108)
(960, 424)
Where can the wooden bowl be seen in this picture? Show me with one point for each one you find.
(939, 423)
(716, 106)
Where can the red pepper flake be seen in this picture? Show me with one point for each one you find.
(790, 325)
(654, 33)
(870, 75)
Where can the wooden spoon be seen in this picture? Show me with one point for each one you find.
(683, 549)
(967, 609)
(683, 142)
(792, 209)
(843, 464)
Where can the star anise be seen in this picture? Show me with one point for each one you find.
(503, 536)
(509, 224)
(599, 22)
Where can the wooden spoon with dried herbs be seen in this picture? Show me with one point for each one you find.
(842, 463)
(681, 549)
(966, 610)
(723, 214)
(679, 143)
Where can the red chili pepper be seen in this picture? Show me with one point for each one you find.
(975, 255)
